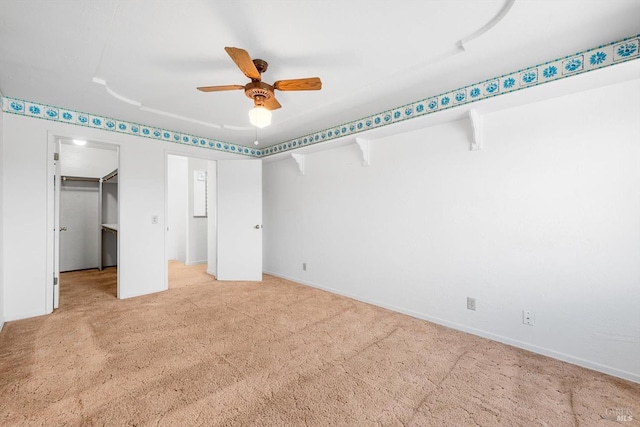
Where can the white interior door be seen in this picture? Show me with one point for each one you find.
(239, 219)
(79, 226)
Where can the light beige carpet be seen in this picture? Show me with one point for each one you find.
(276, 353)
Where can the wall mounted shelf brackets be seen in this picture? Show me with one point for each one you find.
(477, 140)
(299, 158)
(365, 147)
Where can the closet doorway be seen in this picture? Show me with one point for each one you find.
(191, 220)
(86, 210)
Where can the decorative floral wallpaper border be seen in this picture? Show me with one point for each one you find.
(571, 65)
(58, 114)
(599, 57)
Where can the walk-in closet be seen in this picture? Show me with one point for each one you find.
(88, 205)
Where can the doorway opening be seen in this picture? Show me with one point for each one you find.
(191, 220)
(233, 218)
(86, 213)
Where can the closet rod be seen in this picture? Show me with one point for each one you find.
(111, 175)
(80, 178)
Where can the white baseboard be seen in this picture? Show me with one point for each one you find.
(195, 262)
(479, 332)
(10, 317)
(1, 325)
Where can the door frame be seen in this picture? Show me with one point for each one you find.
(53, 214)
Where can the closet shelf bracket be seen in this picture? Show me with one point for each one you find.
(299, 158)
(365, 147)
(477, 137)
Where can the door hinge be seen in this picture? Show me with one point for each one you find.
(55, 281)
(56, 156)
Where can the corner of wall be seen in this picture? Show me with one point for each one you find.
(2, 298)
(212, 240)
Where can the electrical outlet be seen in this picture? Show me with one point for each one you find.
(154, 219)
(528, 317)
(471, 303)
(304, 266)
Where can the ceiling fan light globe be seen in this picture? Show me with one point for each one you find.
(259, 116)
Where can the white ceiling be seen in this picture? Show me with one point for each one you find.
(371, 55)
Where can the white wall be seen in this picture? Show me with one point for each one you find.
(142, 268)
(212, 219)
(196, 226)
(177, 193)
(544, 218)
(2, 299)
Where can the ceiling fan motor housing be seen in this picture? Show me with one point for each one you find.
(258, 91)
(261, 65)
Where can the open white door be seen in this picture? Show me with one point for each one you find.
(78, 213)
(239, 219)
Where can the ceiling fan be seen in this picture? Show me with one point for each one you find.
(262, 93)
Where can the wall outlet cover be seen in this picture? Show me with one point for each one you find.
(528, 317)
(471, 303)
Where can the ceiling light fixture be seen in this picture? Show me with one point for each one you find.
(80, 142)
(259, 116)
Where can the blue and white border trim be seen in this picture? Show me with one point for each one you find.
(581, 62)
(599, 57)
(62, 115)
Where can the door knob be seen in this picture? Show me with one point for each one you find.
(63, 228)
(258, 227)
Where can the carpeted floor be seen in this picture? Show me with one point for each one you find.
(276, 353)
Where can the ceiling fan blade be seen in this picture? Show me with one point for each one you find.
(311, 83)
(244, 62)
(272, 104)
(219, 88)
